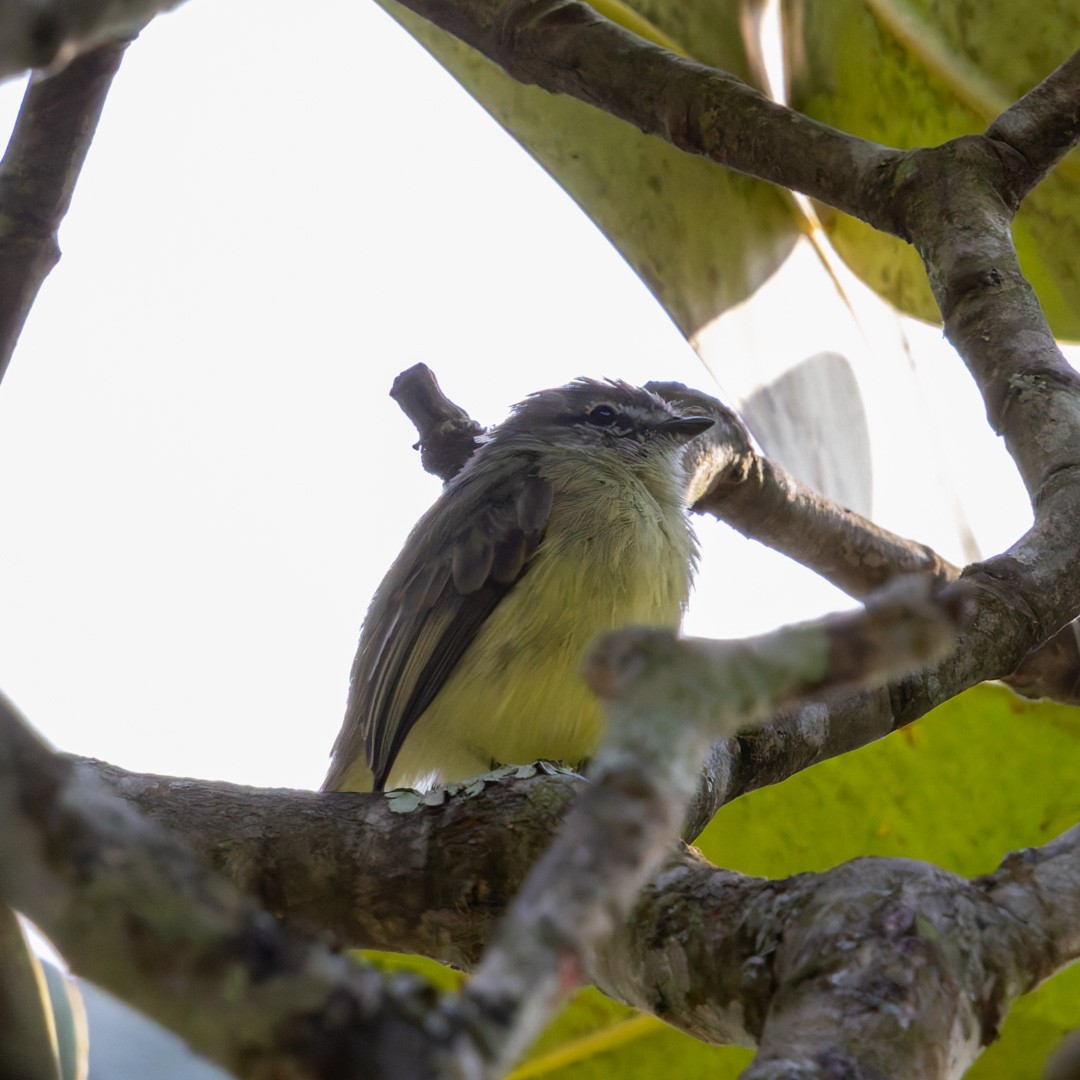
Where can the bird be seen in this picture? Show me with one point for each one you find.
(570, 519)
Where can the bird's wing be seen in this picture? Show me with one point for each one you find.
(417, 631)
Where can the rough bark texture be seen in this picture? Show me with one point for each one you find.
(894, 960)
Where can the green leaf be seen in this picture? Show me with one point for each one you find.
(982, 775)
(700, 237)
(440, 976)
(595, 1038)
(913, 73)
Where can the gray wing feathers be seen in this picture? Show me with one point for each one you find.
(430, 607)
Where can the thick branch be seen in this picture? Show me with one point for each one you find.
(351, 864)
(1043, 126)
(956, 205)
(953, 951)
(879, 968)
(37, 177)
(132, 910)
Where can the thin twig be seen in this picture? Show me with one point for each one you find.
(52, 135)
(448, 436)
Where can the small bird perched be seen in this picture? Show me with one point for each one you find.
(568, 521)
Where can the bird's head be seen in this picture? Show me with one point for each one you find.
(604, 414)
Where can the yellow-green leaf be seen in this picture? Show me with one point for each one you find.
(916, 73)
(594, 1038)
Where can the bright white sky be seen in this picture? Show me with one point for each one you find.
(202, 479)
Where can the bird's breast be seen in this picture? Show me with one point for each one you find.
(613, 555)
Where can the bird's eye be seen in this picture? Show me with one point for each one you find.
(603, 415)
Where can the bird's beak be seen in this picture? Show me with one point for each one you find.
(684, 428)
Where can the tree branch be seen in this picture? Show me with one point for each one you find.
(920, 957)
(565, 47)
(877, 968)
(133, 911)
(1043, 126)
(52, 136)
(760, 499)
(350, 863)
(448, 436)
(137, 906)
